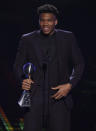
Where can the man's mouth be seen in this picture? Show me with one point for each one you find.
(46, 29)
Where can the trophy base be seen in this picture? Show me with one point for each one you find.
(25, 99)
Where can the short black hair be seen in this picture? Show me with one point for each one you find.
(47, 8)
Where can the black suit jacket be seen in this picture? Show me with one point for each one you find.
(70, 60)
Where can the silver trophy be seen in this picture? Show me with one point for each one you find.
(24, 100)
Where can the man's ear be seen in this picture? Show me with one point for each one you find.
(56, 22)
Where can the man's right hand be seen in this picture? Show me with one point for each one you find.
(26, 84)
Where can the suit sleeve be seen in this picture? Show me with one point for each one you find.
(21, 58)
(77, 62)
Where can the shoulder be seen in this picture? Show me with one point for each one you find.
(25, 39)
(64, 33)
(30, 34)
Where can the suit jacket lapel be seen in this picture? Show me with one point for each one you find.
(58, 47)
(59, 54)
(37, 50)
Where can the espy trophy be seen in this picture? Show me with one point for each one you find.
(24, 100)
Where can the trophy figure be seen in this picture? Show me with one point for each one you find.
(25, 101)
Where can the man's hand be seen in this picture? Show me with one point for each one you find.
(63, 90)
(26, 84)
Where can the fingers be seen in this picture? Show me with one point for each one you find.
(28, 81)
(57, 95)
(26, 84)
(63, 90)
(55, 88)
(26, 87)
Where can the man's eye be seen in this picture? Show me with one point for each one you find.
(45, 20)
(49, 20)
(41, 20)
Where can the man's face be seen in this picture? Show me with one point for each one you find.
(47, 23)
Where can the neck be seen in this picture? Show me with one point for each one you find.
(50, 34)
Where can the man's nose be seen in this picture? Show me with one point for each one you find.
(45, 23)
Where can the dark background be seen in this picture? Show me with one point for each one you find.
(78, 16)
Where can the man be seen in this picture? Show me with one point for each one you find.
(59, 67)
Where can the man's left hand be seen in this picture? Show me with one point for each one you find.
(63, 90)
